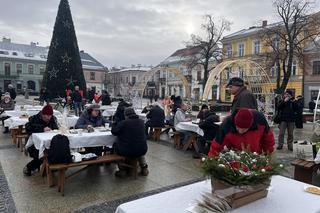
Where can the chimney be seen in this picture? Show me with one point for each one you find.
(7, 40)
(33, 44)
(264, 23)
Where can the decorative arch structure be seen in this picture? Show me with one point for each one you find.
(255, 77)
(148, 75)
(253, 74)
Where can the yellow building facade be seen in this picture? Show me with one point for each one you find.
(249, 44)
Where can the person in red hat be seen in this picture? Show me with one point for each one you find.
(245, 129)
(44, 121)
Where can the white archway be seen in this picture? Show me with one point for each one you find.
(148, 75)
(255, 77)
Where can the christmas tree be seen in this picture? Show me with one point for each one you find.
(64, 68)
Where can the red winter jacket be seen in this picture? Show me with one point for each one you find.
(259, 138)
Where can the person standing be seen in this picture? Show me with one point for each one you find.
(12, 92)
(77, 100)
(243, 98)
(287, 108)
(312, 105)
(90, 95)
(299, 112)
(44, 95)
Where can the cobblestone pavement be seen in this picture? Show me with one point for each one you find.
(96, 189)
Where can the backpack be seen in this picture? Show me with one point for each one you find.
(59, 151)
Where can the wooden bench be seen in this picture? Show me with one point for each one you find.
(63, 167)
(176, 140)
(304, 170)
(156, 133)
(167, 128)
(192, 142)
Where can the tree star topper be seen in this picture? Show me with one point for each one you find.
(66, 58)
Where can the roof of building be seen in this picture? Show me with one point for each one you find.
(34, 52)
(182, 54)
(136, 68)
(250, 31)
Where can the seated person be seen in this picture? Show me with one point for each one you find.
(44, 121)
(91, 118)
(204, 108)
(6, 104)
(119, 115)
(131, 141)
(210, 130)
(155, 118)
(180, 116)
(246, 128)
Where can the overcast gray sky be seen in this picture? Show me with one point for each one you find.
(125, 32)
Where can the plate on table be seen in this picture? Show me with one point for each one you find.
(72, 131)
(102, 129)
(312, 189)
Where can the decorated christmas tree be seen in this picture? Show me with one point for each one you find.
(64, 68)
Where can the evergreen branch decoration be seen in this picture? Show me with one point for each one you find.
(241, 167)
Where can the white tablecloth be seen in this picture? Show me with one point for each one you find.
(29, 112)
(17, 121)
(189, 126)
(42, 140)
(285, 195)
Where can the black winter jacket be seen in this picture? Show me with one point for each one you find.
(244, 99)
(76, 96)
(36, 124)
(208, 126)
(156, 117)
(287, 110)
(131, 137)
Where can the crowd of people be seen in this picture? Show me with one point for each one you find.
(244, 127)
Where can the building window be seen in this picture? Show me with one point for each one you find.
(92, 76)
(127, 80)
(241, 49)
(133, 79)
(229, 51)
(274, 70)
(294, 68)
(19, 68)
(199, 76)
(240, 72)
(316, 68)
(256, 47)
(275, 43)
(41, 69)
(7, 69)
(30, 68)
